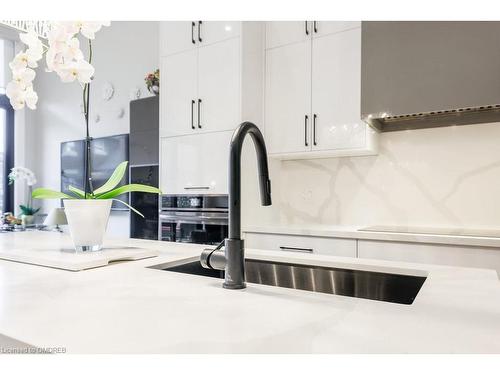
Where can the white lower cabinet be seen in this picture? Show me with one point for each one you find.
(305, 244)
(450, 255)
(195, 164)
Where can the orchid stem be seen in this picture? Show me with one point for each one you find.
(88, 188)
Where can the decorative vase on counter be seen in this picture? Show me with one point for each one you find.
(154, 89)
(27, 219)
(87, 221)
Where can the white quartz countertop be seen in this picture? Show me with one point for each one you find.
(129, 308)
(337, 231)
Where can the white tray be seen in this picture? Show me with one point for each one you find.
(66, 259)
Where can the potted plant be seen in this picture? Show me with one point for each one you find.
(27, 210)
(153, 82)
(88, 214)
(87, 210)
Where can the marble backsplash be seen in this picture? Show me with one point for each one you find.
(444, 177)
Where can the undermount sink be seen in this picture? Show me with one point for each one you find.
(387, 287)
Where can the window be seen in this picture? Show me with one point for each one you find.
(6, 129)
(6, 153)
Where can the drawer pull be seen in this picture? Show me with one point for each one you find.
(299, 249)
(196, 187)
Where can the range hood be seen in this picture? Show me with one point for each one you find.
(428, 74)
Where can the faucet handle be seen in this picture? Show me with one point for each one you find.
(214, 258)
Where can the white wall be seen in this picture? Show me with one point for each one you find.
(445, 177)
(122, 54)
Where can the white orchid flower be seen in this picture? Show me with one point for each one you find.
(22, 173)
(24, 77)
(58, 36)
(76, 70)
(26, 58)
(87, 28)
(34, 44)
(63, 56)
(20, 98)
(14, 89)
(71, 50)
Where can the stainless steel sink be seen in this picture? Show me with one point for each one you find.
(387, 287)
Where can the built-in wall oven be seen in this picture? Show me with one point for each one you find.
(201, 219)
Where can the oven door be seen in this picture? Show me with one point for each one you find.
(208, 228)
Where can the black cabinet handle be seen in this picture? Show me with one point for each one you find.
(199, 31)
(192, 33)
(306, 118)
(199, 113)
(307, 28)
(315, 26)
(314, 129)
(301, 249)
(192, 114)
(196, 187)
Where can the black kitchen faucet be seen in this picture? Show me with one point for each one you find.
(232, 258)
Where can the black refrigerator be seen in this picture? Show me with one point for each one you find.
(144, 156)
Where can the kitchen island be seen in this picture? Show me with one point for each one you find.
(127, 307)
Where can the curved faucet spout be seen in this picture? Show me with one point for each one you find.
(235, 174)
(233, 261)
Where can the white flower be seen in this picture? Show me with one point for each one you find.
(87, 28)
(22, 173)
(23, 77)
(35, 45)
(53, 60)
(20, 97)
(71, 50)
(80, 70)
(58, 35)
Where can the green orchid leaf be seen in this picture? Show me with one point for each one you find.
(114, 180)
(129, 206)
(77, 192)
(43, 193)
(129, 189)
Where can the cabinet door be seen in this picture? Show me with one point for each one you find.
(195, 164)
(450, 255)
(336, 91)
(176, 36)
(288, 98)
(219, 86)
(215, 31)
(179, 89)
(321, 28)
(304, 244)
(280, 33)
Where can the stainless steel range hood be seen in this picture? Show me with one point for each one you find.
(429, 74)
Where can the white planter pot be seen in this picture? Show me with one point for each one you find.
(87, 221)
(27, 219)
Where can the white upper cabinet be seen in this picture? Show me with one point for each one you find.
(288, 98)
(180, 36)
(218, 105)
(280, 33)
(177, 36)
(195, 164)
(207, 91)
(336, 85)
(209, 32)
(313, 94)
(320, 28)
(178, 106)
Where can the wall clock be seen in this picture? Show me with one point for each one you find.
(107, 91)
